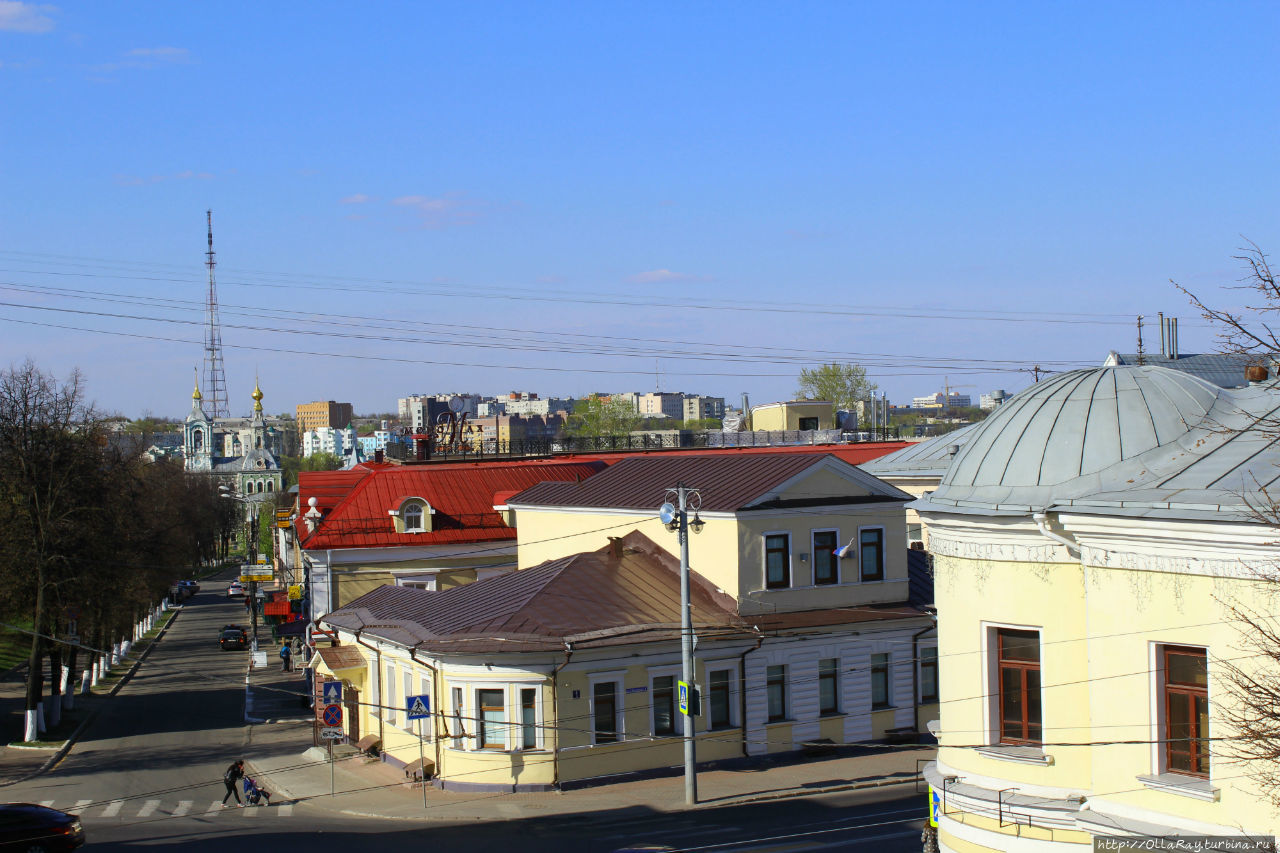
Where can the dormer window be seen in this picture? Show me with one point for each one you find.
(413, 515)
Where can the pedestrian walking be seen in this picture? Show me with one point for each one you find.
(231, 779)
(286, 657)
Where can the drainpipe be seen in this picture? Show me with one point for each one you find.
(555, 713)
(435, 696)
(742, 694)
(378, 675)
(915, 668)
(1042, 521)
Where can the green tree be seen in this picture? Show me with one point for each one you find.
(842, 384)
(598, 416)
(291, 465)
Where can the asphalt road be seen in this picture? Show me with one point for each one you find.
(148, 774)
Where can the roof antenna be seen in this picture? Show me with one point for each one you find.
(1142, 356)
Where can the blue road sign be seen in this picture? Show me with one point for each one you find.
(419, 707)
(333, 692)
(683, 687)
(935, 806)
(332, 715)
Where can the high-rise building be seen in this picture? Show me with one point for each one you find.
(697, 407)
(323, 413)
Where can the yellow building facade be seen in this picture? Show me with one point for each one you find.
(1090, 542)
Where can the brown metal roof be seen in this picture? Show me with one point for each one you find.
(727, 483)
(341, 657)
(628, 591)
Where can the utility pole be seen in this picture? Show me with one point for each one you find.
(1142, 356)
(676, 518)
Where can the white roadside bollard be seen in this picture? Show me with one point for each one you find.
(86, 679)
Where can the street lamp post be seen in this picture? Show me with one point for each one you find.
(676, 519)
(251, 555)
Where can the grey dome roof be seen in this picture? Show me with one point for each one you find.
(1070, 427)
(929, 458)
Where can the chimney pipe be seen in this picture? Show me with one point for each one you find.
(1173, 345)
(1163, 346)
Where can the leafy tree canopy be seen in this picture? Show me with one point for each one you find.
(842, 384)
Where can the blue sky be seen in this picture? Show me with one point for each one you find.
(565, 198)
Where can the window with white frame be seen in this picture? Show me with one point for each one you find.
(411, 512)
(828, 686)
(662, 691)
(406, 676)
(457, 720)
(719, 708)
(881, 684)
(776, 692)
(871, 553)
(777, 560)
(929, 674)
(529, 718)
(389, 702)
(606, 710)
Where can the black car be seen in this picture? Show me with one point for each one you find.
(26, 826)
(233, 638)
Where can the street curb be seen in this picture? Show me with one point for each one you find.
(730, 801)
(84, 724)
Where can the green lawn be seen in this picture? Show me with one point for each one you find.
(15, 647)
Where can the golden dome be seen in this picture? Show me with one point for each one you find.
(196, 395)
(257, 398)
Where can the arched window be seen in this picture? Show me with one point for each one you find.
(271, 486)
(235, 446)
(248, 488)
(412, 514)
(197, 440)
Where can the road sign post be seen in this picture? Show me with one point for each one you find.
(419, 708)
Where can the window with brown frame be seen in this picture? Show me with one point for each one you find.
(605, 714)
(881, 692)
(1018, 663)
(1186, 710)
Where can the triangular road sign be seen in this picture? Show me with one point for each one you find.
(418, 707)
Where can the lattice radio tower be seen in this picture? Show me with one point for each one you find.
(215, 379)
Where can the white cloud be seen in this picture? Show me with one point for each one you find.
(653, 276)
(441, 211)
(18, 17)
(167, 54)
(358, 198)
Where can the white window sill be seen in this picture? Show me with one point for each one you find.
(1017, 754)
(1184, 786)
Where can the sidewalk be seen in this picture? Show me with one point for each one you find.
(282, 759)
(18, 763)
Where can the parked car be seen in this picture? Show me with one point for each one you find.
(191, 586)
(233, 638)
(27, 826)
(235, 588)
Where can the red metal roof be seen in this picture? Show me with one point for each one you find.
(356, 503)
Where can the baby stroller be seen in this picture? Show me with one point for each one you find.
(254, 795)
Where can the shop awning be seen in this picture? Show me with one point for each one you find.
(339, 658)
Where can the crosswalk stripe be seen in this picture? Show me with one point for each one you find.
(183, 807)
(148, 808)
(80, 804)
(46, 803)
(285, 810)
(215, 806)
(250, 811)
(113, 808)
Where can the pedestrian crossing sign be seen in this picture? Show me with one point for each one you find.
(683, 694)
(419, 707)
(935, 806)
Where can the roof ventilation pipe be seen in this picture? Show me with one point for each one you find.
(1042, 521)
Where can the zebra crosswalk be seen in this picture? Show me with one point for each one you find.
(153, 809)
